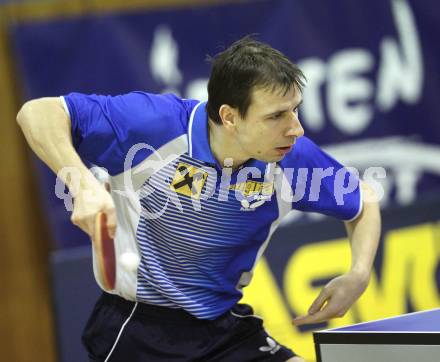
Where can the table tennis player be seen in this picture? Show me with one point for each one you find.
(197, 189)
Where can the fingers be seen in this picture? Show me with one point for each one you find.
(319, 301)
(111, 222)
(88, 204)
(110, 215)
(323, 315)
(85, 223)
(325, 307)
(334, 300)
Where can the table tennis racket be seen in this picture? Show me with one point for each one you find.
(104, 249)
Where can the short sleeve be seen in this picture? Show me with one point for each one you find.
(321, 184)
(104, 128)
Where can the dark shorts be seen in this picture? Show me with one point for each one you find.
(121, 331)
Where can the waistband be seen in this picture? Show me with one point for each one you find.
(151, 310)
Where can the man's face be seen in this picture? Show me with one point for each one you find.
(271, 126)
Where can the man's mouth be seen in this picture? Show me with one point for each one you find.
(284, 150)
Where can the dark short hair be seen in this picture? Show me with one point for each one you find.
(242, 67)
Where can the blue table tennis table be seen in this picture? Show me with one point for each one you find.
(405, 338)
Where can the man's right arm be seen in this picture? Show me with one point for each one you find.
(47, 129)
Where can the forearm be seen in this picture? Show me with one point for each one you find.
(364, 235)
(340, 293)
(46, 127)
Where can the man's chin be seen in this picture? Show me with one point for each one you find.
(277, 158)
(271, 158)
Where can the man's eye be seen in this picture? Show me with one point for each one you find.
(276, 116)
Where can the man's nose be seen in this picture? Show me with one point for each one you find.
(295, 128)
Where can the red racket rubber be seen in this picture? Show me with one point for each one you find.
(104, 248)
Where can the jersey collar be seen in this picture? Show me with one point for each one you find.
(198, 135)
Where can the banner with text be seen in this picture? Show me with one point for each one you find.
(372, 69)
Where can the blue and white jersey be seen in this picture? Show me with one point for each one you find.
(198, 227)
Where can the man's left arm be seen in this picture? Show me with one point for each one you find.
(340, 293)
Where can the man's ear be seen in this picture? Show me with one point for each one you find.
(228, 115)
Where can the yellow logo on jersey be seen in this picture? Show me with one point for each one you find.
(188, 180)
(254, 187)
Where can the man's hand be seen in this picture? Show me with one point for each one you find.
(88, 202)
(335, 299)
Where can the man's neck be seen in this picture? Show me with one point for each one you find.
(224, 146)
